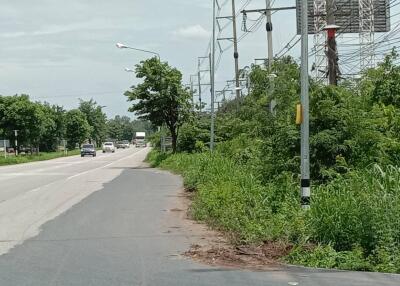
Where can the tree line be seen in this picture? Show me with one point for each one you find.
(46, 126)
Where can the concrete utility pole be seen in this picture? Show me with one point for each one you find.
(212, 76)
(333, 70)
(305, 144)
(199, 81)
(16, 142)
(192, 91)
(236, 54)
(268, 13)
(269, 29)
(5, 148)
(210, 55)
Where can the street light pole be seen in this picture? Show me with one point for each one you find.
(305, 144)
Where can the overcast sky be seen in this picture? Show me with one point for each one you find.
(62, 50)
(59, 51)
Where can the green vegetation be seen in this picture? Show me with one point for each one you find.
(249, 187)
(44, 127)
(161, 98)
(123, 128)
(12, 160)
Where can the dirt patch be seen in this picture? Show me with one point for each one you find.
(213, 248)
(261, 257)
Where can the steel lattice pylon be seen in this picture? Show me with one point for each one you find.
(321, 63)
(367, 36)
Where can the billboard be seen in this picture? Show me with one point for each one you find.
(347, 16)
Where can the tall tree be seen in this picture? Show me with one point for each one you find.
(120, 128)
(160, 98)
(52, 117)
(19, 113)
(96, 119)
(77, 128)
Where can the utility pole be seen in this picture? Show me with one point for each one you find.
(199, 81)
(192, 91)
(199, 60)
(210, 62)
(212, 76)
(305, 144)
(16, 142)
(5, 148)
(269, 29)
(236, 53)
(331, 43)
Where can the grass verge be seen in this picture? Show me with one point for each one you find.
(354, 222)
(12, 160)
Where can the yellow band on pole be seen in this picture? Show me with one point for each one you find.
(299, 114)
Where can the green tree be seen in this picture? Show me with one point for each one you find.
(120, 128)
(382, 84)
(78, 129)
(160, 98)
(54, 126)
(96, 119)
(19, 113)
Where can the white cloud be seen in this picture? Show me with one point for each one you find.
(192, 32)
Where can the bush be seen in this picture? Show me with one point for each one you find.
(354, 220)
(231, 199)
(362, 209)
(324, 256)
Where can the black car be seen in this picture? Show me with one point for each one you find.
(88, 149)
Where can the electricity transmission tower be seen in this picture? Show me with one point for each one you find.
(320, 22)
(367, 31)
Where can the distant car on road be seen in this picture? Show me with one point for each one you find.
(108, 147)
(122, 144)
(88, 149)
(126, 143)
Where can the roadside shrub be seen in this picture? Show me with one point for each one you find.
(362, 209)
(324, 256)
(231, 199)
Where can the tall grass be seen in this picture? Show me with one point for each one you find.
(354, 222)
(232, 199)
(12, 160)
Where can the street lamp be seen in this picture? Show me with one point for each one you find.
(129, 70)
(122, 46)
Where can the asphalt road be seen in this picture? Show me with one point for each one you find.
(105, 221)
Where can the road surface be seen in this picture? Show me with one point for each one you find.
(105, 221)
